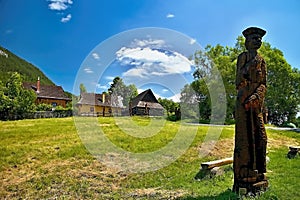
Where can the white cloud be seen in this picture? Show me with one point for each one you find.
(66, 19)
(147, 62)
(96, 56)
(149, 42)
(176, 97)
(170, 15)
(109, 83)
(103, 87)
(109, 78)
(60, 5)
(164, 90)
(193, 41)
(88, 70)
(140, 90)
(155, 94)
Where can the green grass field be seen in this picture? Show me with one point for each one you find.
(46, 159)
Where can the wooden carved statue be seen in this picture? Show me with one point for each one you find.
(250, 134)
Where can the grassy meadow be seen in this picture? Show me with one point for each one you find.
(46, 159)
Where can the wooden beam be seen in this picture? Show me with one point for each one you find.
(216, 163)
(294, 148)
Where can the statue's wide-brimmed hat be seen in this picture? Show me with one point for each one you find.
(254, 30)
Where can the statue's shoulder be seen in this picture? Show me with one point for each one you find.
(243, 55)
(260, 57)
(242, 58)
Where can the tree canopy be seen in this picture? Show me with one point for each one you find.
(15, 101)
(118, 90)
(283, 95)
(11, 63)
(82, 88)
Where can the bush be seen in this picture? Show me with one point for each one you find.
(43, 107)
(172, 118)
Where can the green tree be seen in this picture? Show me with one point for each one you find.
(169, 105)
(82, 88)
(130, 92)
(15, 100)
(283, 95)
(189, 102)
(212, 76)
(118, 90)
(4, 102)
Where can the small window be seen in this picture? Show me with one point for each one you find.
(54, 104)
(91, 109)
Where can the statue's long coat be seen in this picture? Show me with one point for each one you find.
(250, 134)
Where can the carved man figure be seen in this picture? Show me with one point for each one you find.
(250, 135)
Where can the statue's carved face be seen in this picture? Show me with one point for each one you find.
(253, 42)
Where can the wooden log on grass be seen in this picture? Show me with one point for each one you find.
(294, 148)
(216, 163)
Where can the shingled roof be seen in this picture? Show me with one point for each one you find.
(47, 91)
(93, 99)
(146, 97)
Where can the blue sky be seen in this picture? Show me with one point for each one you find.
(61, 36)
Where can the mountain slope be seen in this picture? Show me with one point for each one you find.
(9, 62)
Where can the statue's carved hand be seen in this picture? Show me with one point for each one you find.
(251, 102)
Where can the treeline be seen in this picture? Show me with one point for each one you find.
(9, 63)
(283, 83)
(213, 88)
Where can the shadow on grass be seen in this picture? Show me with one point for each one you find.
(207, 175)
(226, 195)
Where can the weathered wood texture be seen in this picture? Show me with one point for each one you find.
(216, 163)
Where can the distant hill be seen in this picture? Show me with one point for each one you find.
(9, 62)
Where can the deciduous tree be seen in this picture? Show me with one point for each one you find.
(283, 95)
(15, 100)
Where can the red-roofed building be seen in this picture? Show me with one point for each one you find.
(48, 94)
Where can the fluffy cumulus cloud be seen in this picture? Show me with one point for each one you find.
(146, 62)
(59, 5)
(148, 43)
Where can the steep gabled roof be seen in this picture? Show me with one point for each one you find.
(93, 99)
(146, 97)
(47, 91)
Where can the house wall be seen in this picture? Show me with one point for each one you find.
(152, 111)
(98, 110)
(58, 102)
(156, 112)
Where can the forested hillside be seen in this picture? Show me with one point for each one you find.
(9, 62)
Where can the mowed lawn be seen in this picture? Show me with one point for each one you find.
(46, 159)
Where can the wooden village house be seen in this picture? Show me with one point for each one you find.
(145, 104)
(48, 94)
(92, 104)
